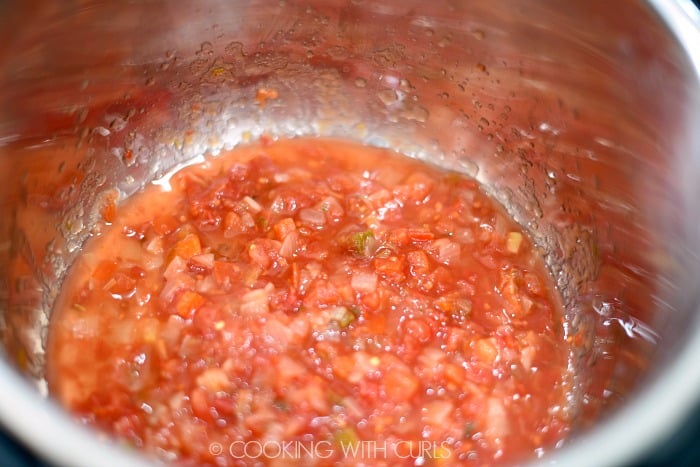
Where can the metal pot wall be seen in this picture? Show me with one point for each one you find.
(581, 117)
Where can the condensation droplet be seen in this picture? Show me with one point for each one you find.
(234, 48)
(387, 96)
(479, 34)
(102, 131)
(206, 48)
(416, 113)
(405, 85)
(468, 167)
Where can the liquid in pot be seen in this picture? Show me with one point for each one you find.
(317, 302)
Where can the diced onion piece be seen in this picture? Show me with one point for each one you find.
(332, 208)
(152, 262)
(213, 380)
(155, 246)
(437, 412)
(205, 260)
(513, 242)
(256, 301)
(312, 217)
(247, 220)
(289, 245)
(284, 227)
(252, 205)
(496, 419)
(486, 349)
(364, 282)
(445, 251)
(176, 267)
(527, 356)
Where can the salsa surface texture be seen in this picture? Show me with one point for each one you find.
(313, 302)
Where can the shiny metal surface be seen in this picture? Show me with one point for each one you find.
(581, 117)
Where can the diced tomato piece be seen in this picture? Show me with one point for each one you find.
(415, 188)
(391, 267)
(418, 329)
(189, 246)
(205, 319)
(165, 224)
(400, 384)
(200, 404)
(109, 210)
(418, 262)
(226, 273)
(420, 235)
(104, 272)
(486, 350)
(213, 380)
(188, 302)
(284, 227)
(264, 252)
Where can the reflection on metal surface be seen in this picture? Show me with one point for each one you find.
(578, 116)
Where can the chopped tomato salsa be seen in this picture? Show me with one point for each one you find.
(357, 305)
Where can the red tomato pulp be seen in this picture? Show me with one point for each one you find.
(357, 305)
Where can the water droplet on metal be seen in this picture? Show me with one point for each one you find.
(479, 34)
(405, 85)
(387, 96)
(205, 49)
(416, 113)
(468, 167)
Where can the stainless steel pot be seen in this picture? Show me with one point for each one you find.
(581, 117)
